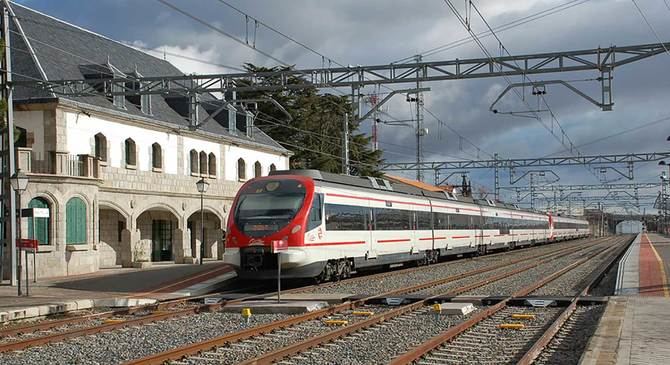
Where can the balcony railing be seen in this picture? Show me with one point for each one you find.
(57, 163)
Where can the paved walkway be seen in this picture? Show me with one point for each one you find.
(660, 247)
(635, 328)
(158, 282)
(645, 266)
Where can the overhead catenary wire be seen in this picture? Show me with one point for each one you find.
(467, 24)
(510, 25)
(651, 27)
(323, 56)
(205, 102)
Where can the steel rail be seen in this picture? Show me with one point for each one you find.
(191, 349)
(154, 317)
(329, 336)
(439, 340)
(558, 323)
(158, 315)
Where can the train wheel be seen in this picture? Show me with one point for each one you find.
(434, 257)
(347, 269)
(326, 274)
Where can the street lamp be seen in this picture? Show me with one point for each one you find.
(664, 202)
(19, 182)
(202, 186)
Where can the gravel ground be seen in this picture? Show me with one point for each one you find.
(404, 278)
(256, 346)
(571, 340)
(607, 285)
(52, 318)
(124, 345)
(380, 343)
(572, 282)
(486, 343)
(86, 323)
(509, 285)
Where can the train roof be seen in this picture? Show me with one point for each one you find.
(382, 184)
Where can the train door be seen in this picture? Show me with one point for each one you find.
(372, 247)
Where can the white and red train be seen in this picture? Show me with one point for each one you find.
(335, 224)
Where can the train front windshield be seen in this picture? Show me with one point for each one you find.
(266, 206)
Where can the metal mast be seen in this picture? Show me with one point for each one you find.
(419, 119)
(8, 162)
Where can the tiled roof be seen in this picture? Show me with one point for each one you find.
(419, 184)
(45, 48)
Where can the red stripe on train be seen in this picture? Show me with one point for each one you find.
(335, 243)
(397, 240)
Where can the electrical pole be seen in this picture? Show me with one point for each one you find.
(496, 178)
(419, 120)
(8, 162)
(345, 145)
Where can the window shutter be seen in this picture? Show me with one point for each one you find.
(75, 218)
(38, 228)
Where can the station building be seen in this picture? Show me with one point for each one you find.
(118, 175)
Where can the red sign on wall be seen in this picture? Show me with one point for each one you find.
(27, 244)
(279, 246)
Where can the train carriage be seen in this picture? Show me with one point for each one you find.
(335, 224)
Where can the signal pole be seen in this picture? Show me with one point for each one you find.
(8, 163)
(419, 120)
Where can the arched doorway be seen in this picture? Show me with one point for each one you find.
(213, 234)
(113, 236)
(157, 236)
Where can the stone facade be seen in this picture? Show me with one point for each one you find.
(130, 210)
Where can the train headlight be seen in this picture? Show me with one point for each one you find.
(296, 229)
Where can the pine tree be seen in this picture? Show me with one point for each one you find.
(315, 132)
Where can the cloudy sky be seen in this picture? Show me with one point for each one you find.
(383, 31)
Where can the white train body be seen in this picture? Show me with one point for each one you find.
(348, 223)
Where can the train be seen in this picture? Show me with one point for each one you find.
(334, 225)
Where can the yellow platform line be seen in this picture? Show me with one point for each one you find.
(666, 291)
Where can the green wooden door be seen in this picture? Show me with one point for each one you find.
(75, 220)
(38, 228)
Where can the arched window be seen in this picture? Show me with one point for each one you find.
(131, 152)
(156, 156)
(194, 162)
(212, 164)
(258, 171)
(75, 220)
(273, 167)
(241, 169)
(203, 163)
(101, 147)
(38, 228)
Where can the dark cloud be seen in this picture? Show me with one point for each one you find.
(381, 31)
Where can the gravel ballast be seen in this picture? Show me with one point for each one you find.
(135, 342)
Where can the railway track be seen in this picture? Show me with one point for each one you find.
(20, 337)
(243, 346)
(464, 343)
(147, 321)
(49, 331)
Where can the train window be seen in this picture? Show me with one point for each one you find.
(441, 220)
(459, 221)
(346, 218)
(424, 220)
(392, 219)
(264, 207)
(315, 212)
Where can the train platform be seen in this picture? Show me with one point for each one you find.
(113, 287)
(634, 327)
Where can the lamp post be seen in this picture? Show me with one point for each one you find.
(664, 192)
(19, 182)
(202, 186)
